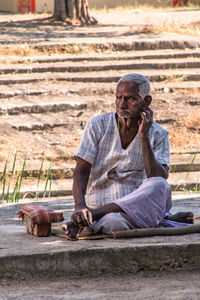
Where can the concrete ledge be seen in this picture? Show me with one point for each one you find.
(97, 261)
(25, 256)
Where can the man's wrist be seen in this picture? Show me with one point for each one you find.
(80, 204)
(144, 137)
(80, 207)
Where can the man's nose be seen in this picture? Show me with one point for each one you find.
(123, 103)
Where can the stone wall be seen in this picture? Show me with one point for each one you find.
(115, 3)
(8, 5)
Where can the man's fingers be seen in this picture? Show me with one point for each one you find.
(82, 218)
(143, 116)
(149, 113)
(76, 219)
(87, 216)
(90, 217)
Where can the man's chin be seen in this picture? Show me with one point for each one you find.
(124, 115)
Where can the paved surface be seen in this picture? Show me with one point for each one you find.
(22, 255)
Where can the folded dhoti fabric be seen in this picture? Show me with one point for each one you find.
(38, 219)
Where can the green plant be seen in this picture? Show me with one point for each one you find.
(48, 178)
(3, 180)
(10, 184)
(18, 187)
(191, 165)
(196, 188)
(12, 194)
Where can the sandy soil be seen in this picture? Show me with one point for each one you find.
(145, 285)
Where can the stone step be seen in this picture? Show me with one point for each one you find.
(92, 57)
(34, 123)
(37, 108)
(132, 42)
(184, 181)
(54, 92)
(64, 170)
(87, 66)
(89, 102)
(109, 39)
(30, 190)
(101, 76)
(179, 181)
(62, 166)
(27, 121)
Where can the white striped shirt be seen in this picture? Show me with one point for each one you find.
(115, 171)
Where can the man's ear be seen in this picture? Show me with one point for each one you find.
(147, 100)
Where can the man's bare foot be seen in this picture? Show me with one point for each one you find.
(182, 217)
(71, 231)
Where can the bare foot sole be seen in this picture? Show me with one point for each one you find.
(182, 217)
(71, 231)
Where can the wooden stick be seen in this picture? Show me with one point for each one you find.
(156, 231)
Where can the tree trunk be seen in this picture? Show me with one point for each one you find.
(71, 5)
(85, 13)
(60, 12)
(71, 9)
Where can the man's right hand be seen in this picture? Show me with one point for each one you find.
(82, 217)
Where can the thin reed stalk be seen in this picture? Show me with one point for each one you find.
(3, 180)
(47, 180)
(16, 190)
(49, 194)
(39, 177)
(20, 180)
(10, 196)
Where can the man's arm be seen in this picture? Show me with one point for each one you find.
(82, 216)
(152, 167)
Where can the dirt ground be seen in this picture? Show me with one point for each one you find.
(59, 143)
(145, 285)
(111, 23)
(127, 16)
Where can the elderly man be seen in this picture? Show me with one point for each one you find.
(122, 165)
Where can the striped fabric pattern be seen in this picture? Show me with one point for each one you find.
(115, 171)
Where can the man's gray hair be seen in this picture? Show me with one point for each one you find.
(144, 83)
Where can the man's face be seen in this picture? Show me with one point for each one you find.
(128, 100)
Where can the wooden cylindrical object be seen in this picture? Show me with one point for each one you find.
(156, 231)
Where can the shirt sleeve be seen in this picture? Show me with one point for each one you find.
(88, 146)
(161, 148)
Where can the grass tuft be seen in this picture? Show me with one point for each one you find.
(11, 183)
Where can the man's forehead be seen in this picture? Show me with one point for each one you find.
(127, 86)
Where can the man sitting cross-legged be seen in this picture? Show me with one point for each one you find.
(119, 181)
